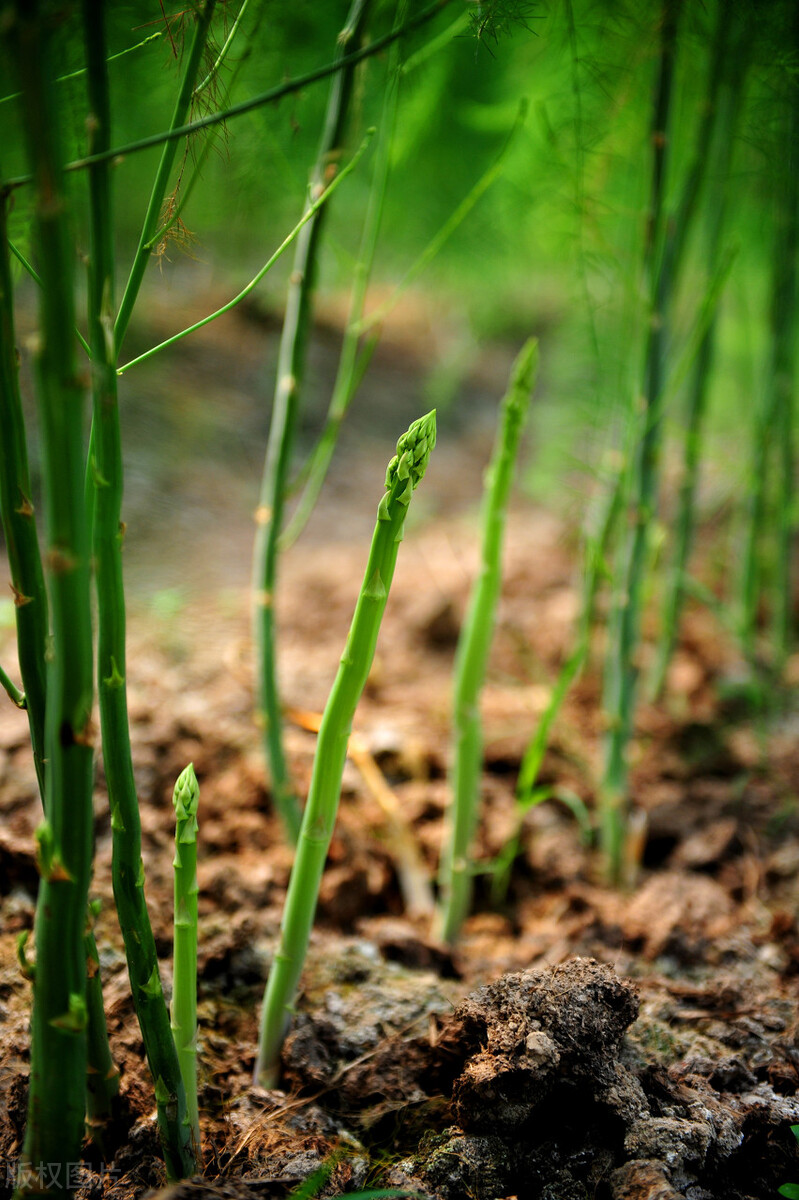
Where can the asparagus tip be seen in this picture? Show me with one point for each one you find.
(186, 796)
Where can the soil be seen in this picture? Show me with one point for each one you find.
(579, 1042)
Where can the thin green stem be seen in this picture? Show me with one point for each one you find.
(223, 53)
(12, 691)
(474, 646)
(106, 475)
(270, 262)
(274, 483)
(403, 475)
(435, 44)
(36, 277)
(205, 12)
(56, 1103)
(274, 94)
(81, 71)
(186, 800)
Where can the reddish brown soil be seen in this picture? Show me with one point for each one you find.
(651, 1054)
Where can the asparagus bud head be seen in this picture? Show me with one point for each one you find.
(186, 800)
(409, 464)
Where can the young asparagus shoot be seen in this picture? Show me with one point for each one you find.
(474, 645)
(403, 475)
(186, 799)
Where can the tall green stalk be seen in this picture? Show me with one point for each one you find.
(186, 799)
(784, 304)
(290, 367)
(621, 669)
(471, 660)
(106, 473)
(724, 105)
(30, 598)
(56, 1102)
(403, 475)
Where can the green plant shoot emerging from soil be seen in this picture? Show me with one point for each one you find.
(474, 646)
(186, 799)
(403, 475)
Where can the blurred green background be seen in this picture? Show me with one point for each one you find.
(553, 247)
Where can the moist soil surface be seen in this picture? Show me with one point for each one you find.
(579, 1042)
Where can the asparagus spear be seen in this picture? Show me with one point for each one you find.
(403, 475)
(186, 799)
(455, 876)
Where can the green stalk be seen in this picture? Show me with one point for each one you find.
(783, 361)
(106, 472)
(56, 1103)
(19, 527)
(290, 366)
(81, 71)
(19, 521)
(723, 110)
(186, 799)
(471, 660)
(351, 365)
(205, 12)
(16, 697)
(528, 793)
(624, 632)
(403, 475)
